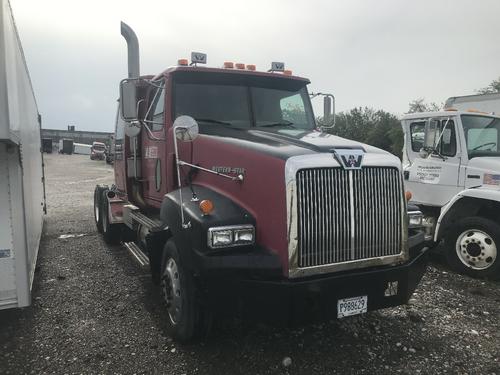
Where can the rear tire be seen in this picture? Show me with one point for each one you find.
(472, 247)
(110, 232)
(185, 320)
(98, 193)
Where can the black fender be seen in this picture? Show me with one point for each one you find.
(193, 239)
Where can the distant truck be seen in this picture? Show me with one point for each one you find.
(489, 103)
(66, 146)
(82, 149)
(22, 197)
(98, 151)
(229, 192)
(451, 165)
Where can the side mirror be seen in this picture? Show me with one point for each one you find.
(128, 99)
(327, 109)
(186, 128)
(431, 134)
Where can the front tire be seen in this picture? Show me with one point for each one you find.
(472, 247)
(178, 288)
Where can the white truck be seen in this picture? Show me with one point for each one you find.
(22, 196)
(489, 103)
(451, 165)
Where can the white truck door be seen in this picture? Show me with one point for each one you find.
(433, 179)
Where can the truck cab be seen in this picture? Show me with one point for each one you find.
(238, 203)
(98, 151)
(452, 169)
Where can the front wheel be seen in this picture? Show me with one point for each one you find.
(472, 247)
(178, 289)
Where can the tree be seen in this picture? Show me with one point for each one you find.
(492, 88)
(367, 125)
(420, 105)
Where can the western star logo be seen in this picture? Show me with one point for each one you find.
(349, 158)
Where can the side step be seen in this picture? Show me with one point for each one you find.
(137, 253)
(151, 224)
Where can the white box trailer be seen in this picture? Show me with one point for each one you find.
(82, 149)
(489, 103)
(22, 195)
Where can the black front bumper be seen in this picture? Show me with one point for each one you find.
(289, 301)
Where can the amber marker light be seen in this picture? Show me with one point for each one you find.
(251, 67)
(239, 66)
(206, 207)
(228, 65)
(408, 195)
(183, 62)
(287, 72)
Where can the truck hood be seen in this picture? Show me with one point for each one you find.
(485, 164)
(285, 143)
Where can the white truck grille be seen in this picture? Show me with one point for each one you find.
(348, 215)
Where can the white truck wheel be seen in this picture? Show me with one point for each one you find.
(472, 247)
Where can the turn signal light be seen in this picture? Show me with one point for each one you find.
(251, 67)
(183, 62)
(240, 66)
(408, 195)
(206, 207)
(228, 65)
(287, 72)
(450, 109)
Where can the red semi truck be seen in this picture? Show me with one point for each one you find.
(226, 188)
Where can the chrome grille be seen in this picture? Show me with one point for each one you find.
(348, 215)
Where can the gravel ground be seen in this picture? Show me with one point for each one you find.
(95, 311)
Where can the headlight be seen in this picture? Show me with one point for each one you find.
(234, 235)
(415, 219)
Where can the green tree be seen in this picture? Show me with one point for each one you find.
(420, 105)
(492, 88)
(367, 125)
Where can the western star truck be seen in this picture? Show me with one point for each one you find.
(452, 169)
(227, 190)
(22, 197)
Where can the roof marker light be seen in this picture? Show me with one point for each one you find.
(287, 72)
(228, 65)
(183, 62)
(251, 67)
(239, 66)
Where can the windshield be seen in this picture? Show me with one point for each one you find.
(481, 135)
(244, 106)
(99, 147)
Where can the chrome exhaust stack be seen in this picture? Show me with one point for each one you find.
(132, 49)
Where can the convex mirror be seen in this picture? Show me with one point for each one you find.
(186, 128)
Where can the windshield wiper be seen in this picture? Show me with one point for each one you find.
(212, 121)
(282, 123)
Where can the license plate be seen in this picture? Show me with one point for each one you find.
(352, 306)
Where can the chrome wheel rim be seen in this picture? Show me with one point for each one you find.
(476, 249)
(104, 222)
(171, 287)
(96, 211)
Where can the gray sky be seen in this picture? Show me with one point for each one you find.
(380, 54)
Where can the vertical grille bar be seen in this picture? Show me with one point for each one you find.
(348, 215)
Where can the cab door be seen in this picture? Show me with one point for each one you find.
(153, 147)
(433, 178)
